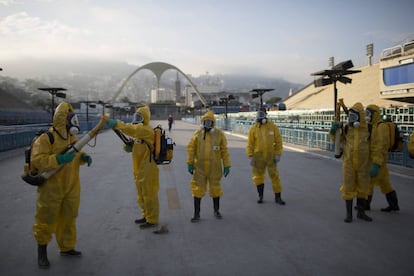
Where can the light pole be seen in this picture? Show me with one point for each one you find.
(258, 92)
(103, 106)
(330, 76)
(225, 100)
(54, 91)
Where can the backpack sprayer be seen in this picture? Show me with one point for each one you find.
(39, 179)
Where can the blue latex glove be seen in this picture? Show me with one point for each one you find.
(335, 126)
(128, 147)
(66, 157)
(190, 168)
(226, 172)
(373, 172)
(87, 159)
(111, 123)
(276, 159)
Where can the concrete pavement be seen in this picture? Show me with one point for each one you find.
(307, 236)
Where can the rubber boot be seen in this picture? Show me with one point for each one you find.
(348, 205)
(278, 199)
(42, 260)
(392, 202)
(361, 205)
(260, 189)
(216, 203)
(197, 202)
(368, 204)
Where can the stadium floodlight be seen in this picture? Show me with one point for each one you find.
(335, 74)
(322, 82)
(55, 92)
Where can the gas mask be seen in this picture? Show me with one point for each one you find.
(261, 117)
(368, 115)
(353, 118)
(208, 124)
(138, 119)
(72, 123)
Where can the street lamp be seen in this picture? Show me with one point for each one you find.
(225, 100)
(88, 104)
(103, 106)
(54, 91)
(258, 92)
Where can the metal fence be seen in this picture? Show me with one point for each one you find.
(309, 137)
(18, 136)
(12, 137)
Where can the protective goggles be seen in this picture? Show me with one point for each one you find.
(138, 118)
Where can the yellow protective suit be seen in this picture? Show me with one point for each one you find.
(356, 161)
(208, 152)
(410, 144)
(58, 198)
(263, 145)
(144, 168)
(379, 152)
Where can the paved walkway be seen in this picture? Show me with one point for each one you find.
(307, 236)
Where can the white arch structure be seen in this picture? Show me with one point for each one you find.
(158, 68)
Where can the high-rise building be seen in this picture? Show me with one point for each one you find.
(177, 88)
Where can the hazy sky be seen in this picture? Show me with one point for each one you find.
(289, 39)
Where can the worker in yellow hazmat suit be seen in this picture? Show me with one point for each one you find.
(145, 170)
(207, 155)
(410, 145)
(264, 149)
(58, 198)
(356, 162)
(380, 141)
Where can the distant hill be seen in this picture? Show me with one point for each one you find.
(90, 79)
(9, 101)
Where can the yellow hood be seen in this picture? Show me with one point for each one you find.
(59, 118)
(360, 108)
(209, 115)
(146, 113)
(376, 116)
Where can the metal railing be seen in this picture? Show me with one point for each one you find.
(309, 137)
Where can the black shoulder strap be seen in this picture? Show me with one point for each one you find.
(51, 137)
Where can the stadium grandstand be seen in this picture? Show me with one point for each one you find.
(388, 84)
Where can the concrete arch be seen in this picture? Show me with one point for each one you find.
(158, 68)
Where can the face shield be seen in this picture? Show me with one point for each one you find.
(353, 118)
(138, 119)
(208, 124)
(72, 123)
